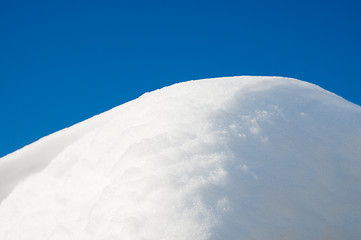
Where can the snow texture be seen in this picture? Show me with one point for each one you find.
(229, 158)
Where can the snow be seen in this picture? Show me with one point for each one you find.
(226, 158)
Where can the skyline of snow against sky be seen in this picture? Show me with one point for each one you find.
(65, 61)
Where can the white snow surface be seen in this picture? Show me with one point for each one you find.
(228, 158)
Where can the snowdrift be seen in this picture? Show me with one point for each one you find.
(227, 158)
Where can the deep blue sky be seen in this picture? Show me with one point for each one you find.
(64, 61)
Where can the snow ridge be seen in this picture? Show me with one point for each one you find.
(226, 158)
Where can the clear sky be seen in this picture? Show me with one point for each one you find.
(62, 62)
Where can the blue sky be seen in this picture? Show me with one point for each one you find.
(62, 62)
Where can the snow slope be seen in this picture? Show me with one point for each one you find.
(227, 158)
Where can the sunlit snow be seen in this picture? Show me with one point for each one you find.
(228, 158)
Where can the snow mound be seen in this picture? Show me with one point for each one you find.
(227, 158)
